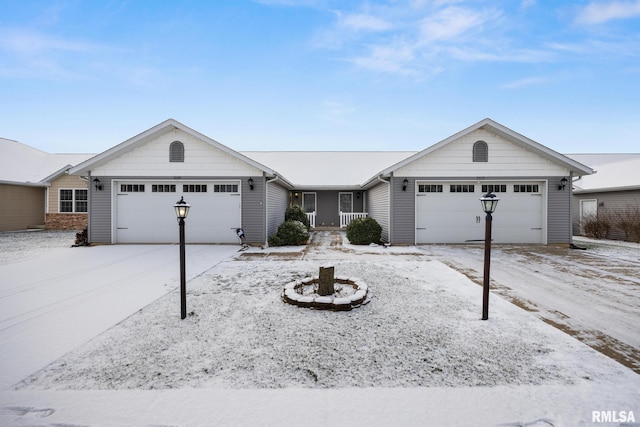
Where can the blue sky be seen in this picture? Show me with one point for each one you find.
(82, 76)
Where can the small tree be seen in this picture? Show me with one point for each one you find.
(364, 231)
(296, 213)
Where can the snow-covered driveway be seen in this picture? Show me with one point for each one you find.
(592, 294)
(54, 297)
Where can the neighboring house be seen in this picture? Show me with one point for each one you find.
(426, 197)
(31, 184)
(614, 187)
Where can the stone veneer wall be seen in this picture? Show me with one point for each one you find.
(66, 221)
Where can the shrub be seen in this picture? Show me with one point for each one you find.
(598, 225)
(364, 231)
(627, 220)
(290, 232)
(296, 213)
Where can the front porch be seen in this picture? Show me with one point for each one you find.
(345, 219)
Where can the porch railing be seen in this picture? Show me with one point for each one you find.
(312, 219)
(347, 217)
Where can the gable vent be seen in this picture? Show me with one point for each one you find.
(480, 152)
(176, 152)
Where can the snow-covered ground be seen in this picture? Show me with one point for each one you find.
(417, 354)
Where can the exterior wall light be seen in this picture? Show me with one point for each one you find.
(97, 184)
(563, 183)
(405, 184)
(250, 182)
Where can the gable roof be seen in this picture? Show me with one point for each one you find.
(328, 170)
(614, 172)
(168, 125)
(24, 165)
(501, 131)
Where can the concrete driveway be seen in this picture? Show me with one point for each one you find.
(592, 294)
(60, 297)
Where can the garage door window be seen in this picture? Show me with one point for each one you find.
(163, 188)
(225, 188)
(430, 188)
(194, 188)
(494, 188)
(462, 188)
(525, 188)
(132, 188)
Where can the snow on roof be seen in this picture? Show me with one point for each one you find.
(23, 164)
(614, 171)
(328, 169)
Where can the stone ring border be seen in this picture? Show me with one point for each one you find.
(361, 296)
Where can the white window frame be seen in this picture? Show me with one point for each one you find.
(74, 200)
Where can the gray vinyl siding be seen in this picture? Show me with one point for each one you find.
(558, 212)
(100, 211)
(254, 210)
(277, 202)
(403, 214)
(607, 202)
(378, 207)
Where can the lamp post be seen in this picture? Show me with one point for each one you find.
(489, 202)
(182, 209)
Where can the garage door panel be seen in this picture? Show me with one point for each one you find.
(149, 217)
(456, 217)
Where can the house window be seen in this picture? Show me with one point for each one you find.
(430, 188)
(199, 188)
(528, 188)
(346, 202)
(480, 152)
(132, 188)
(494, 188)
(309, 202)
(462, 188)
(176, 152)
(163, 188)
(73, 201)
(224, 188)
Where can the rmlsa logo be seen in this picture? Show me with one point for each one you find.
(613, 417)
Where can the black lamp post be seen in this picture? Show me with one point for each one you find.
(182, 209)
(489, 202)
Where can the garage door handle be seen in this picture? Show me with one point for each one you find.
(421, 228)
(123, 228)
(536, 228)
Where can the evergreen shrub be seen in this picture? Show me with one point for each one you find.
(364, 231)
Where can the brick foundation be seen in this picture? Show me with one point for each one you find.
(66, 221)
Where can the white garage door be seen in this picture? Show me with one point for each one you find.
(451, 212)
(144, 211)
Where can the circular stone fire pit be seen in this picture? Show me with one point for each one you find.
(348, 293)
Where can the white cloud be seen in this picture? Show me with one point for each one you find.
(452, 22)
(362, 22)
(598, 13)
(27, 42)
(388, 58)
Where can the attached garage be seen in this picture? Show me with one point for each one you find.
(144, 211)
(450, 212)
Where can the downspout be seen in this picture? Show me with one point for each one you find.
(266, 210)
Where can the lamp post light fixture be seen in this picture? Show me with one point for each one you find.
(182, 209)
(489, 203)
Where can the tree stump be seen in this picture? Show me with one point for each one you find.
(326, 281)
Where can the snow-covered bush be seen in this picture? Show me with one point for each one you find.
(364, 231)
(296, 213)
(290, 232)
